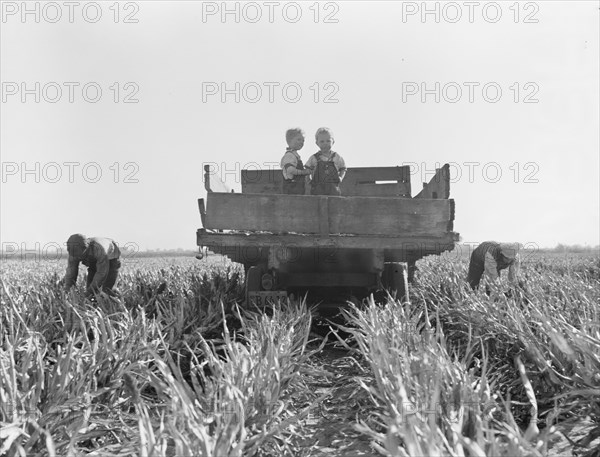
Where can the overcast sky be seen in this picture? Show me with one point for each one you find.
(110, 110)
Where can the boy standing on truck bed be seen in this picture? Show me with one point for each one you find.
(491, 257)
(327, 167)
(294, 174)
(100, 255)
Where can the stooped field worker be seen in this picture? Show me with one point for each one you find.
(100, 256)
(327, 167)
(490, 258)
(294, 174)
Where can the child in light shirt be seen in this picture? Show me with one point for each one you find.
(294, 173)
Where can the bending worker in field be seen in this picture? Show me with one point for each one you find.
(490, 258)
(100, 255)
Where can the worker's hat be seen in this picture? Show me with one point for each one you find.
(510, 250)
(75, 241)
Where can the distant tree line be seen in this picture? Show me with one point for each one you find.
(575, 248)
(179, 252)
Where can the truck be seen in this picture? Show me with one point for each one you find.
(328, 249)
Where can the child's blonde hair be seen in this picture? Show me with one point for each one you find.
(324, 130)
(293, 133)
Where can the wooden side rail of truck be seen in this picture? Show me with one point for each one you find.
(333, 248)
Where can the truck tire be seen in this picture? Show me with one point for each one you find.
(252, 283)
(395, 279)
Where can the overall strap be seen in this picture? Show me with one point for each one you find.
(320, 154)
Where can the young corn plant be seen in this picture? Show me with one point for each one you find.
(243, 406)
(430, 402)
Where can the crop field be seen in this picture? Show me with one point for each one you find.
(174, 368)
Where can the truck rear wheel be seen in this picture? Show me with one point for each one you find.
(252, 283)
(395, 279)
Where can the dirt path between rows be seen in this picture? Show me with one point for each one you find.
(328, 430)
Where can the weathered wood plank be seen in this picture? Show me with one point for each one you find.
(202, 210)
(438, 186)
(373, 174)
(256, 212)
(262, 181)
(323, 216)
(255, 248)
(262, 188)
(408, 241)
(450, 226)
(357, 182)
(305, 214)
(349, 189)
(387, 216)
(362, 181)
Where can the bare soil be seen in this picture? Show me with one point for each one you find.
(328, 430)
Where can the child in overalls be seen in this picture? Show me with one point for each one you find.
(327, 167)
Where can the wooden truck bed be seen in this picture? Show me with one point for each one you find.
(317, 215)
(317, 241)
